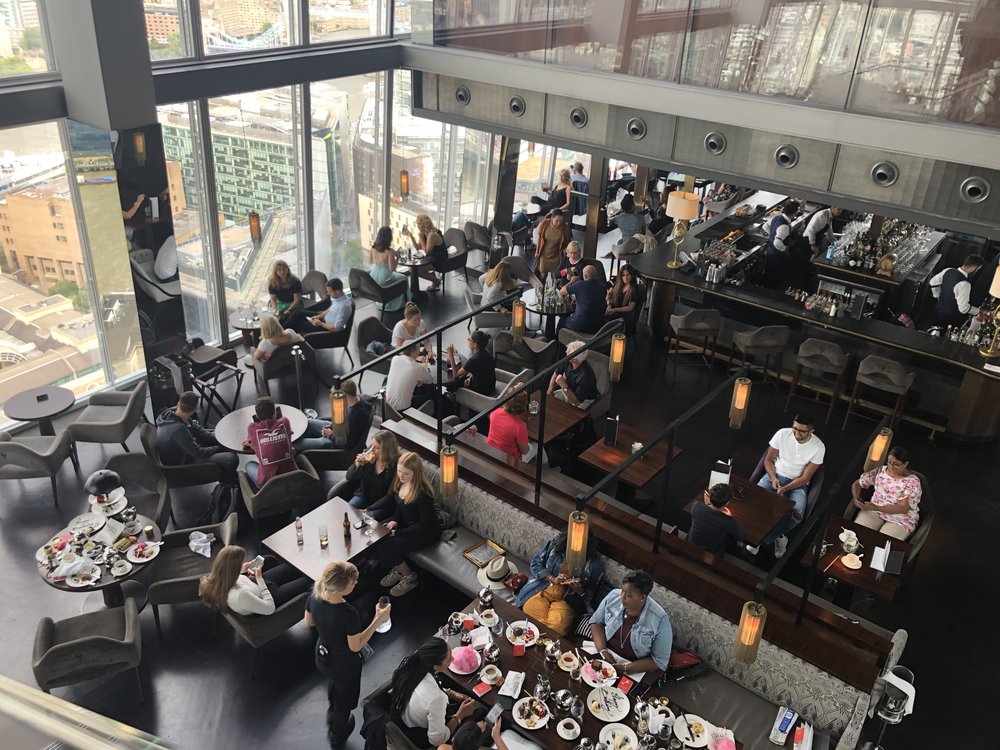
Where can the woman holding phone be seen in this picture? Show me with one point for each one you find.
(338, 648)
(246, 588)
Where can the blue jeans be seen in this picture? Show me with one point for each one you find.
(251, 470)
(313, 439)
(379, 515)
(798, 496)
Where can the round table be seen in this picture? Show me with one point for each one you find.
(548, 314)
(40, 405)
(231, 430)
(109, 584)
(414, 263)
(245, 324)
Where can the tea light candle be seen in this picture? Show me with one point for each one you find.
(148, 531)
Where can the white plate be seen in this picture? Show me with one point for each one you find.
(681, 730)
(664, 711)
(539, 721)
(611, 704)
(453, 668)
(124, 571)
(592, 680)
(568, 666)
(131, 556)
(92, 577)
(109, 509)
(568, 733)
(625, 737)
(113, 497)
(491, 674)
(525, 639)
(89, 523)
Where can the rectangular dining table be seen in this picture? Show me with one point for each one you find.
(756, 509)
(610, 457)
(309, 557)
(533, 664)
(560, 416)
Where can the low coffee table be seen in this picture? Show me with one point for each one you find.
(610, 457)
(309, 557)
(549, 314)
(414, 263)
(40, 405)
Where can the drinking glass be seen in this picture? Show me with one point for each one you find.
(498, 626)
(370, 523)
(575, 678)
(576, 709)
(324, 537)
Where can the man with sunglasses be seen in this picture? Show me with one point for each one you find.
(793, 455)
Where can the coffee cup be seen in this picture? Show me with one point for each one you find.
(119, 568)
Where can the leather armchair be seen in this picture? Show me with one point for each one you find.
(477, 402)
(370, 330)
(483, 319)
(187, 475)
(32, 457)
(314, 286)
(458, 254)
(530, 354)
(363, 286)
(139, 469)
(281, 362)
(334, 339)
(111, 416)
(260, 629)
(282, 493)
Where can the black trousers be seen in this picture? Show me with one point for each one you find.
(343, 693)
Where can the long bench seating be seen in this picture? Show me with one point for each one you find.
(742, 697)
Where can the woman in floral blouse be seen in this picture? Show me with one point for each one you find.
(893, 509)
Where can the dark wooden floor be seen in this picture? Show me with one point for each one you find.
(198, 691)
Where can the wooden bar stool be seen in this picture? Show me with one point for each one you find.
(825, 357)
(697, 324)
(766, 341)
(884, 375)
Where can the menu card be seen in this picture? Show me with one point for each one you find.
(110, 533)
(720, 473)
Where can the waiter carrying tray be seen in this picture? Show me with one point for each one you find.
(951, 289)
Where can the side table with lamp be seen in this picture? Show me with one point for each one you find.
(682, 207)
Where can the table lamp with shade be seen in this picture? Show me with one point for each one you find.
(682, 207)
(992, 349)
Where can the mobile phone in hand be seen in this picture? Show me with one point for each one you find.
(256, 562)
(494, 714)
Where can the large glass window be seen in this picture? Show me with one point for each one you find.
(166, 29)
(258, 168)
(48, 333)
(22, 42)
(337, 20)
(186, 180)
(247, 25)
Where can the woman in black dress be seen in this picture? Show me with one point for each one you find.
(285, 290)
(371, 476)
(430, 241)
(414, 525)
(338, 648)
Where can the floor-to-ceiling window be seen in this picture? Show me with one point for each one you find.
(229, 26)
(22, 39)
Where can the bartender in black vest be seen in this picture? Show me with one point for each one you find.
(951, 288)
(777, 258)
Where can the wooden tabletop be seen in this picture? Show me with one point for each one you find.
(610, 457)
(533, 664)
(239, 321)
(231, 430)
(756, 510)
(309, 558)
(39, 403)
(559, 417)
(874, 582)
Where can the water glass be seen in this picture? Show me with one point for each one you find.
(324, 537)
(576, 709)
(575, 678)
(370, 523)
(499, 626)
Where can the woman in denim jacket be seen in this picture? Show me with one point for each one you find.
(629, 623)
(550, 596)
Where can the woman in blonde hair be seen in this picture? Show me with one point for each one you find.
(414, 524)
(338, 648)
(431, 243)
(232, 586)
(498, 283)
(285, 290)
(272, 335)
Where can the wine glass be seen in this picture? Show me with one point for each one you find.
(370, 523)
(576, 677)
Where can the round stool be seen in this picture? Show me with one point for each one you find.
(766, 341)
(825, 357)
(697, 324)
(883, 375)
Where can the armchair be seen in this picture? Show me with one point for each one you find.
(281, 362)
(111, 416)
(294, 489)
(363, 286)
(33, 457)
(340, 459)
(458, 254)
(335, 339)
(370, 330)
(314, 286)
(483, 319)
(530, 354)
(600, 364)
(139, 469)
(186, 475)
(566, 336)
(477, 402)
(919, 537)
(258, 630)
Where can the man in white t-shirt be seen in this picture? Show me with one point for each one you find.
(404, 385)
(793, 456)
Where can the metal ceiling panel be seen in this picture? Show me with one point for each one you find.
(576, 119)
(624, 125)
(428, 90)
(491, 104)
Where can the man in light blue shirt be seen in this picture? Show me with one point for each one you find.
(336, 316)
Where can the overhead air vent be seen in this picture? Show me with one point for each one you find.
(786, 156)
(974, 190)
(715, 143)
(578, 117)
(516, 106)
(885, 174)
(636, 128)
(462, 95)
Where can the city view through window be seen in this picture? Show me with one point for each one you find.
(22, 46)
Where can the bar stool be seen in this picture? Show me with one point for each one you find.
(697, 324)
(884, 375)
(766, 340)
(824, 356)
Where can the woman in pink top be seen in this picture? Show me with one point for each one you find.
(893, 509)
(509, 428)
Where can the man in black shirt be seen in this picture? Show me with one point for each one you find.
(576, 384)
(319, 434)
(711, 524)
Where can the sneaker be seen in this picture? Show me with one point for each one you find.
(391, 578)
(752, 550)
(405, 586)
(780, 545)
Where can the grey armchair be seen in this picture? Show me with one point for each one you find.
(458, 254)
(363, 286)
(477, 238)
(370, 330)
(566, 336)
(282, 493)
(483, 319)
(258, 630)
(187, 475)
(111, 416)
(96, 644)
(280, 362)
(314, 286)
(530, 354)
(139, 469)
(334, 339)
(174, 576)
(33, 457)
(477, 402)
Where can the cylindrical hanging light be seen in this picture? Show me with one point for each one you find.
(518, 316)
(576, 542)
(878, 449)
(750, 631)
(449, 472)
(404, 184)
(740, 403)
(139, 146)
(255, 234)
(616, 362)
(338, 414)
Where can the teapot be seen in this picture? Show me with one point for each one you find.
(491, 654)
(486, 597)
(553, 652)
(563, 700)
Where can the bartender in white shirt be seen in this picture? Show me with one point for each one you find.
(951, 289)
(820, 229)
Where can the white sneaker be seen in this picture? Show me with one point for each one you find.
(405, 586)
(780, 545)
(751, 549)
(391, 578)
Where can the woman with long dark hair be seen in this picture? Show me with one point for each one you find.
(420, 704)
(382, 267)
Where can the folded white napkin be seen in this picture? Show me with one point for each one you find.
(656, 720)
(906, 687)
(201, 543)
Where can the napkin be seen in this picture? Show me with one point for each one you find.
(66, 569)
(656, 721)
(201, 543)
(481, 637)
(898, 682)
